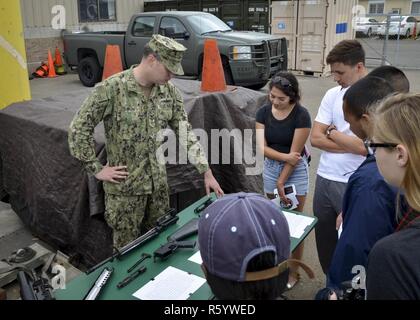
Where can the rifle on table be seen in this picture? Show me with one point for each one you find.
(162, 223)
(33, 287)
(174, 240)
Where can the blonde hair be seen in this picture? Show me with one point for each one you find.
(398, 121)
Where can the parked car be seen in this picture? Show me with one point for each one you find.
(400, 25)
(367, 26)
(249, 58)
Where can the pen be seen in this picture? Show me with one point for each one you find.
(131, 277)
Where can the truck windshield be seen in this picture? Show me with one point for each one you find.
(205, 23)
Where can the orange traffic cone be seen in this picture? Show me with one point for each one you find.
(112, 64)
(58, 61)
(51, 69)
(213, 77)
(41, 71)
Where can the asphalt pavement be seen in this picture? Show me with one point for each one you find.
(402, 53)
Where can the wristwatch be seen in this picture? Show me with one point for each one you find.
(329, 131)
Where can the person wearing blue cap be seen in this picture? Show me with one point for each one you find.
(244, 243)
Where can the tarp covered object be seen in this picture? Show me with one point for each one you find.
(61, 204)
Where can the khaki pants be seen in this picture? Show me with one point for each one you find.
(130, 216)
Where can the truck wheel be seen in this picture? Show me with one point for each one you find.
(89, 71)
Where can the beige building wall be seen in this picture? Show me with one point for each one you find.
(40, 36)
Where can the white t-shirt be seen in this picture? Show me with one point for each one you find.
(336, 166)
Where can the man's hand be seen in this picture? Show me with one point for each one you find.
(211, 183)
(112, 174)
(282, 195)
(292, 158)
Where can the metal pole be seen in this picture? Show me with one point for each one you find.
(12, 55)
(385, 48)
(397, 52)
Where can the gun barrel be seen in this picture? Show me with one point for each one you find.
(163, 222)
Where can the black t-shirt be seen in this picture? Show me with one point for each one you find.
(279, 133)
(393, 271)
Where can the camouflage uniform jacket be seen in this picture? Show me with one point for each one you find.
(132, 123)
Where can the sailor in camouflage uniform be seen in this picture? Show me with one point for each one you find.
(134, 106)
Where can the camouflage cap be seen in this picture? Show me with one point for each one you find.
(170, 52)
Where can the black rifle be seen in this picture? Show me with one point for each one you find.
(162, 223)
(167, 249)
(174, 240)
(188, 229)
(33, 287)
(204, 205)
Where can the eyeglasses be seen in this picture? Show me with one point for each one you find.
(374, 145)
(283, 82)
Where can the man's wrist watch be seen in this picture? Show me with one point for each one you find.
(329, 130)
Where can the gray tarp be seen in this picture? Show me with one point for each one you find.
(55, 198)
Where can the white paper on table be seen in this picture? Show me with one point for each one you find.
(196, 257)
(170, 284)
(297, 224)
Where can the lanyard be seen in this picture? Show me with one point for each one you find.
(406, 221)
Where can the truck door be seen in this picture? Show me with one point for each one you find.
(137, 36)
(173, 28)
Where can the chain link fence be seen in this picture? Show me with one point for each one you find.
(394, 40)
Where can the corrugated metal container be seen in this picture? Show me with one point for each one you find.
(151, 6)
(211, 6)
(252, 15)
(231, 12)
(257, 16)
(188, 5)
(313, 28)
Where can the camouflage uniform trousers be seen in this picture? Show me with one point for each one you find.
(131, 216)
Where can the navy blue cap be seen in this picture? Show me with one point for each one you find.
(236, 228)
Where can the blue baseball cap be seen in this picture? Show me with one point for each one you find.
(236, 228)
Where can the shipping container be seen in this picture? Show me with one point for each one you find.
(157, 6)
(249, 15)
(211, 6)
(257, 16)
(189, 5)
(312, 28)
(231, 12)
